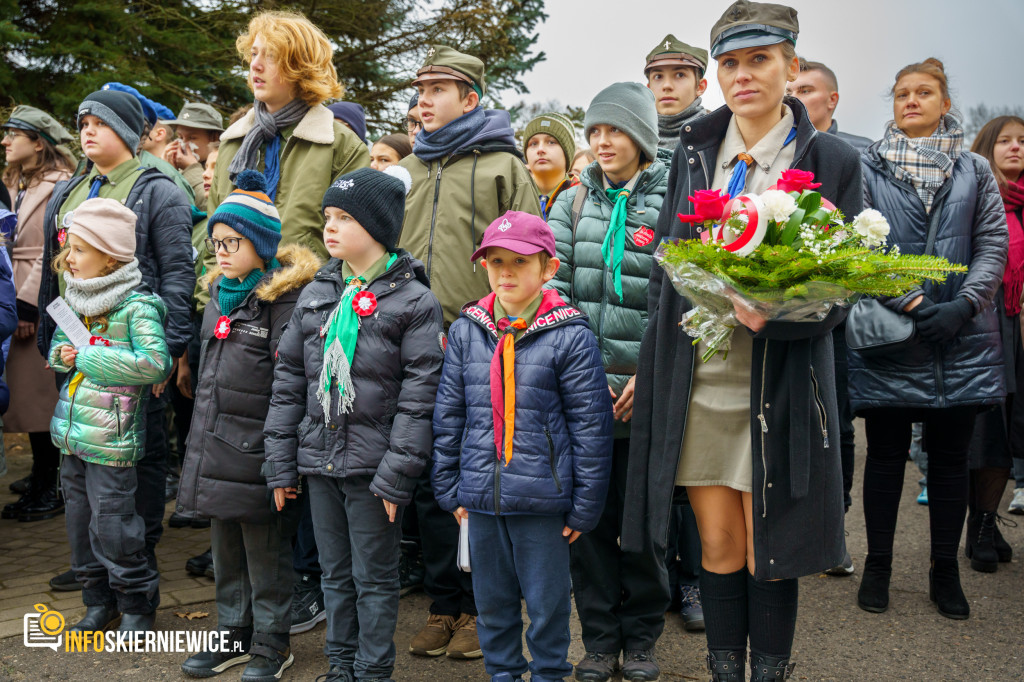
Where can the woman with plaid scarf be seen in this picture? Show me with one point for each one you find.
(939, 198)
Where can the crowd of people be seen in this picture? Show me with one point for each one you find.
(367, 353)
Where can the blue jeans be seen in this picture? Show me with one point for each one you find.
(527, 555)
(359, 557)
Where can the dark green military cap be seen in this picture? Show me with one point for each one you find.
(446, 63)
(38, 121)
(753, 24)
(199, 115)
(673, 52)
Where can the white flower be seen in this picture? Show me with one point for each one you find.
(872, 226)
(778, 205)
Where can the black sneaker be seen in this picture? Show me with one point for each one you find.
(208, 664)
(596, 666)
(411, 570)
(65, 582)
(691, 610)
(307, 605)
(844, 569)
(639, 665)
(201, 564)
(271, 656)
(336, 674)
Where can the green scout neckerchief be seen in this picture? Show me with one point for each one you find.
(614, 245)
(340, 346)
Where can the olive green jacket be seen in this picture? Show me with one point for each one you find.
(451, 203)
(104, 420)
(316, 151)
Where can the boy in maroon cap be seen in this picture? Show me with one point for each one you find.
(522, 446)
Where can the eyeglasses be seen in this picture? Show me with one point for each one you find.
(230, 244)
(11, 133)
(412, 124)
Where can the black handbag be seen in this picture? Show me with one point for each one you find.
(873, 329)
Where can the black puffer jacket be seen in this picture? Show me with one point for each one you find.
(163, 245)
(220, 477)
(395, 373)
(798, 495)
(971, 230)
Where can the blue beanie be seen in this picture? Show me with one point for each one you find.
(250, 212)
(352, 114)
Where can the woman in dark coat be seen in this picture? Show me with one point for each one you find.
(930, 190)
(754, 437)
(998, 441)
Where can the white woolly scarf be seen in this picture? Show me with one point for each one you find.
(96, 296)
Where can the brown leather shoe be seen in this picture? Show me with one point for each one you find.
(433, 639)
(465, 643)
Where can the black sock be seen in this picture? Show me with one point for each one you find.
(724, 598)
(772, 612)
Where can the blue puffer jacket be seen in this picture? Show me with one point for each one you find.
(971, 230)
(563, 427)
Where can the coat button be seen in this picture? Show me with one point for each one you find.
(408, 275)
(767, 405)
(245, 445)
(392, 285)
(769, 485)
(771, 561)
(687, 128)
(691, 162)
(330, 467)
(690, 147)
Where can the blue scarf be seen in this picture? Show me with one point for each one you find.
(450, 137)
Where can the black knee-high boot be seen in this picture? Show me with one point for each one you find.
(771, 610)
(724, 597)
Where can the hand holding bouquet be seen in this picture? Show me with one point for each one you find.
(786, 255)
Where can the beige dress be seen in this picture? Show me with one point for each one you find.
(716, 447)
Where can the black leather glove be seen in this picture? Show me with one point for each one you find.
(924, 305)
(941, 322)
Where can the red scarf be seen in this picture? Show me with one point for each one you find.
(1013, 276)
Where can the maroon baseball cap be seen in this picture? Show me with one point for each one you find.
(522, 233)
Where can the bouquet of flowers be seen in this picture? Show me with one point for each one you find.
(784, 254)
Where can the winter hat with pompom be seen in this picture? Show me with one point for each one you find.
(376, 199)
(250, 212)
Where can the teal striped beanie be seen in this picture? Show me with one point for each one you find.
(250, 212)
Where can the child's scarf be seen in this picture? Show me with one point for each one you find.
(231, 292)
(342, 333)
(503, 386)
(614, 245)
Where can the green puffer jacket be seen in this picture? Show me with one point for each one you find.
(104, 421)
(585, 281)
(452, 202)
(315, 151)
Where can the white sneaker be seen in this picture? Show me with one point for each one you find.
(1017, 503)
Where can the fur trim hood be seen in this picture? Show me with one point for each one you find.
(298, 267)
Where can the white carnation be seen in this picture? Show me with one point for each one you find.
(872, 226)
(778, 206)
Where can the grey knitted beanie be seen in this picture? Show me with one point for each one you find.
(630, 108)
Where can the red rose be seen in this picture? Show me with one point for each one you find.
(708, 206)
(364, 303)
(223, 327)
(794, 180)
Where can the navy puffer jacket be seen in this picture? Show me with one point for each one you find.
(971, 230)
(563, 427)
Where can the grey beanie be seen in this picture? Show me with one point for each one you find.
(630, 108)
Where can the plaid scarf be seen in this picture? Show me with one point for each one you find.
(924, 162)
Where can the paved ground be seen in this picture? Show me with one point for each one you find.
(835, 640)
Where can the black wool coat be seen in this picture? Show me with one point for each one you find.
(798, 490)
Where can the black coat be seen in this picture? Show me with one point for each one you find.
(798, 490)
(163, 245)
(971, 230)
(220, 476)
(395, 373)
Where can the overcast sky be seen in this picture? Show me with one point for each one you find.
(593, 43)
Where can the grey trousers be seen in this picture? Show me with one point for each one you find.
(359, 557)
(107, 536)
(253, 565)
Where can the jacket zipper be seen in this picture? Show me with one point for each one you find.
(551, 457)
(822, 417)
(764, 430)
(71, 411)
(117, 416)
(497, 485)
(433, 218)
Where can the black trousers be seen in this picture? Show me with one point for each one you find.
(947, 435)
(682, 559)
(450, 589)
(152, 474)
(847, 433)
(621, 597)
